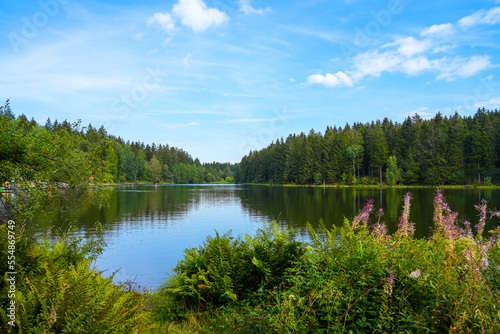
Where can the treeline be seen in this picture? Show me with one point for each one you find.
(440, 150)
(125, 161)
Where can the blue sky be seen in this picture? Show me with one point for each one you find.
(221, 77)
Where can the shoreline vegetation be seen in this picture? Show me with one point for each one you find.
(354, 278)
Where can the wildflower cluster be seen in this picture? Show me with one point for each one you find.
(363, 216)
(445, 219)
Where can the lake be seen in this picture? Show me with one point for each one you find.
(148, 227)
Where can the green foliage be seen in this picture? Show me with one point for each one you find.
(440, 150)
(26, 147)
(354, 153)
(128, 166)
(393, 174)
(227, 269)
(57, 291)
(349, 279)
(56, 288)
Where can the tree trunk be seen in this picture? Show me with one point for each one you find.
(380, 167)
(478, 173)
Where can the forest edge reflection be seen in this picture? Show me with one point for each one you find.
(290, 206)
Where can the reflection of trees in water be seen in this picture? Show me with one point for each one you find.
(297, 205)
(142, 205)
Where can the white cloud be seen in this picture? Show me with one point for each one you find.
(422, 112)
(373, 63)
(177, 126)
(443, 48)
(330, 80)
(438, 29)
(246, 8)
(415, 65)
(163, 20)
(491, 104)
(473, 65)
(482, 16)
(413, 55)
(462, 67)
(409, 46)
(196, 15)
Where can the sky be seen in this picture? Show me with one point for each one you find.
(219, 78)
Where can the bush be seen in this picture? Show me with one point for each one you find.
(227, 269)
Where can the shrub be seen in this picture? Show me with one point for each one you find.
(227, 269)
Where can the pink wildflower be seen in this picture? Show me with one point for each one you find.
(405, 227)
(380, 214)
(466, 232)
(380, 231)
(438, 209)
(364, 215)
(445, 223)
(495, 213)
(390, 282)
(482, 217)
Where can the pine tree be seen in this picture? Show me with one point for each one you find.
(434, 151)
(481, 146)
(457, 132)
(128, 166)
(7, 111)
(378, 156)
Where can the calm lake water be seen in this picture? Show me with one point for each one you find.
(149, 228)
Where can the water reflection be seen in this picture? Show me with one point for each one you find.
(296, 206)
(149, 227)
